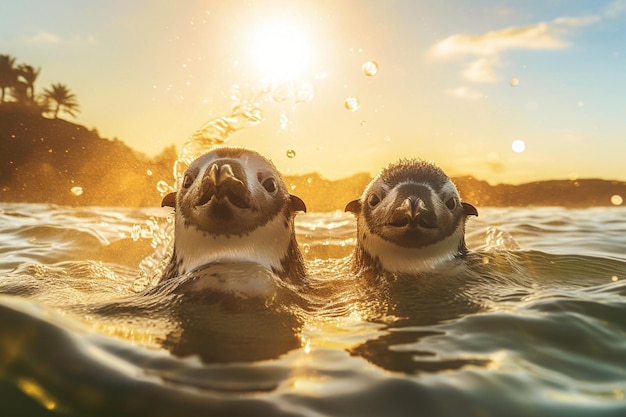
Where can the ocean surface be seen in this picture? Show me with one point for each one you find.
(532, 323)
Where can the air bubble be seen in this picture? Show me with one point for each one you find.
(370, 68)
(306, 248)
(352, 104)
(291, 153)
(77, 191)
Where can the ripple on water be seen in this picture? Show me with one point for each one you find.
(537, 330)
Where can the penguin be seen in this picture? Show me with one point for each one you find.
(233, 206)
(410, 219)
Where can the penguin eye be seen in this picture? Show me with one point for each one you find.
(187, 181)
(373, 200)
(270, 185)
(451, 203)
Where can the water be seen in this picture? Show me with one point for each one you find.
(532, 323)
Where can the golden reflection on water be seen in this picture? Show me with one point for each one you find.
(38, 393)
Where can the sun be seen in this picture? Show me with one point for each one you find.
(281, 51)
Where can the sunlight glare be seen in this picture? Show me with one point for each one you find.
(281, 51)
(518, 146)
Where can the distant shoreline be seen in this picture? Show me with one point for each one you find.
(55, 161)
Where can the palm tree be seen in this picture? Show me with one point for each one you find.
(29, 74)
(8, 74)
(62, 99)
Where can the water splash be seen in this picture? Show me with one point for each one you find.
(500, 239)
(216, 132)
(245, 112)
(152, 267)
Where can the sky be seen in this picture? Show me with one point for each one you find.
(505, 91)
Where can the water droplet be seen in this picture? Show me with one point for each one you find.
(514, 82)
(293, 186)
(149, 172)
(370, 68)
(135, 232)
(352, 104)
(291, 153)
(282, 92)
(235, 93)
(309, 180)
(254, 116)
(363, 122)
(305, 92)
(306, 248)
(617, 200)
(163, 187)
(284, 120)
(518, 146)
(387, 138)
(140, 284)
(77, 191)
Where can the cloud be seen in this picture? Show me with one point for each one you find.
(504, 12)
(615, 9)
(482, 70)
(45, 37)
(466, 93)
(488, 46)
(48, 38)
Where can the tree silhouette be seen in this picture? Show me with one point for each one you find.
(29, 75)
(60, 98)
(8, 74)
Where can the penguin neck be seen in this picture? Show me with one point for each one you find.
(382, 255)
(267, 246)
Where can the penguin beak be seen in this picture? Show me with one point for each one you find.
(220, 182)
(220, 174)
(412, 212)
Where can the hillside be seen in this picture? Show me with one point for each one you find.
(44, 160)
(324, 195)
